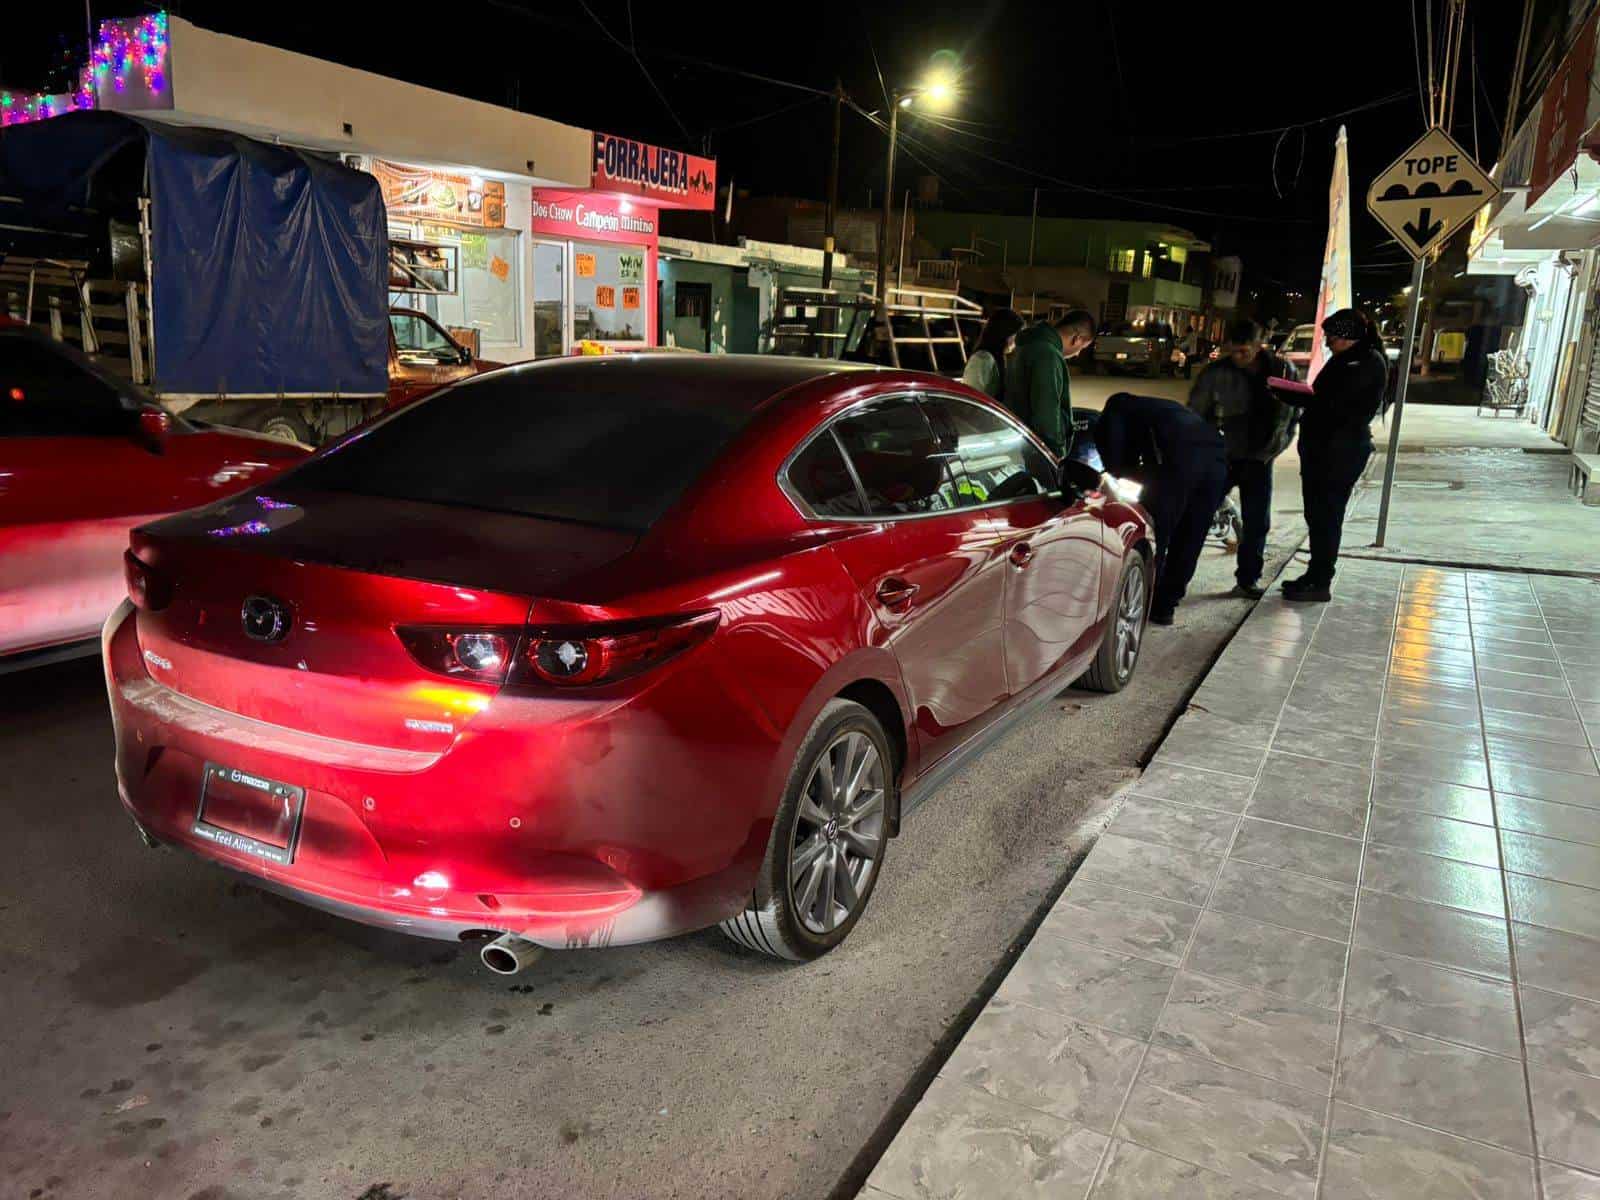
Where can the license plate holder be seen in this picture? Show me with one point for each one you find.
(249, 814)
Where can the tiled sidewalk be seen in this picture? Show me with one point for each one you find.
(1286, 969)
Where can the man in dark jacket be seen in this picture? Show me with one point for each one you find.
(1038, 388)
(1232, 394)
(1180, 464)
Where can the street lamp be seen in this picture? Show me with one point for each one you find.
(935, 92)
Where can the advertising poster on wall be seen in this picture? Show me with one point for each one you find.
(429, 195)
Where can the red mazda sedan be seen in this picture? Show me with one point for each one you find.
(590, 652)
(84, 457)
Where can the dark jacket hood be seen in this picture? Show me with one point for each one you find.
(1039, 335)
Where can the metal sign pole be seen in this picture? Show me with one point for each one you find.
(1400, 399)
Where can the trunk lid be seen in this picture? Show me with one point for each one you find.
(346, 571)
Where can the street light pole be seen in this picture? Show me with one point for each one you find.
(888, 198)
(832, 213)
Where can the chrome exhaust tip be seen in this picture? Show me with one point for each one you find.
(510, 953)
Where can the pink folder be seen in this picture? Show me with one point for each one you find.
(1290, 385)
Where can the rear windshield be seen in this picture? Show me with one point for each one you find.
(606, 450)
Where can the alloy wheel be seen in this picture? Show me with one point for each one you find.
(838, 835)
(1130, 622)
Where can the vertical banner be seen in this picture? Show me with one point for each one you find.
(1335, 292)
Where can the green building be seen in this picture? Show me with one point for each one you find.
(1120, 270)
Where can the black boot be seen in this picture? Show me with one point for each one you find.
(1307, 593)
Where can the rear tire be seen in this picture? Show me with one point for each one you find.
(286, 425)
(828, 841)
(1118, 656)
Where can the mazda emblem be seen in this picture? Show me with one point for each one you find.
(265, 619)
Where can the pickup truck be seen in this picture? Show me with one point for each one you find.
(1146, 348)
(423, 357)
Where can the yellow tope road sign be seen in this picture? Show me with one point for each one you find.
(1430, 191)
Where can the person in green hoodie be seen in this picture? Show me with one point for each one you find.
(1037, 383)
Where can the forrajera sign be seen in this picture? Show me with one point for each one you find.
(653, 173)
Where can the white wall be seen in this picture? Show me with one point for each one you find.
(264, 91)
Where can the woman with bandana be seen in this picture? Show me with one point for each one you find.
(1336, 439)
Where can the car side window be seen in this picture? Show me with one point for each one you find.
(43, 393)
(999, 461)
(901, 467)
(820, 477)
(415, 334)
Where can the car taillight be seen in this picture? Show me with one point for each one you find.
(484, 655)
(567, 655)
(148, 588)
(581, 656)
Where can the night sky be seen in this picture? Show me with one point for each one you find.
(1144, 101)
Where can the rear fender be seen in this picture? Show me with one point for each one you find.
(869, 663)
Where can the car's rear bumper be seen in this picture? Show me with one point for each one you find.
(560, 835)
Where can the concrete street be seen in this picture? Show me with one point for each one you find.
(169, 1033)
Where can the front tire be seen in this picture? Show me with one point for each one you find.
(1118, 655)
(828, 839)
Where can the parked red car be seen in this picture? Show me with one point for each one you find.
(594, 651)
(84, 457)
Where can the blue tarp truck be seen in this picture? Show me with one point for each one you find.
(245, 281)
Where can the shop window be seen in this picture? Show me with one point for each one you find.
(482, 270)
(608, 302)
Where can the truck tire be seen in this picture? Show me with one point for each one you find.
(286, 425)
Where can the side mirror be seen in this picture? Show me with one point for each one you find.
(1078, 478)
(155, 426)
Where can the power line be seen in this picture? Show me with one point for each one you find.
(1423, 94)
(1380, 102)
(632, 49)
(1071, 185)
(781, 110)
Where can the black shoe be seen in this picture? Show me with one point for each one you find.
(1163, 616)
(1248, 591)
(1296, 585)
(1309, 594)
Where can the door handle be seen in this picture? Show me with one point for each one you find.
(1021, 554)
(897, 593)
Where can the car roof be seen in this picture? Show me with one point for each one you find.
(737, 379)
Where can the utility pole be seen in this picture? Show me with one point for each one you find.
(831, 213)
(900, 259)
(888, 199)
(1033, 282)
